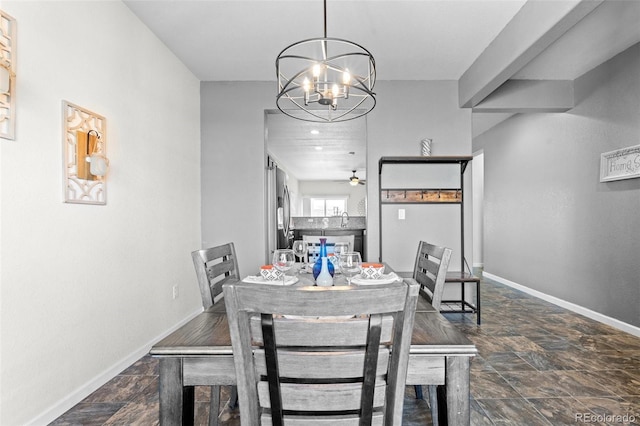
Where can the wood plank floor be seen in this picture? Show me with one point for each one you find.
(538, 364)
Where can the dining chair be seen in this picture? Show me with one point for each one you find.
(313, 244)
(214, 267)
(321, 355)
(429, 271)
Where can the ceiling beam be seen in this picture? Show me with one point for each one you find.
(534, 28)
(522, 96)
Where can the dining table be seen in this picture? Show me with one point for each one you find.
(200, 354)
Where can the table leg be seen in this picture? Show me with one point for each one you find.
(176, 400)
(457, 389)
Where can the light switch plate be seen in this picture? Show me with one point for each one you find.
(401, 214)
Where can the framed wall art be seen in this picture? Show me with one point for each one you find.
(7, 76)
(620, 164)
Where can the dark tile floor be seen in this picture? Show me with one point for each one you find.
(538, 364)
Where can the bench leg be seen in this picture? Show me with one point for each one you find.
(214, 406)
(418, 389)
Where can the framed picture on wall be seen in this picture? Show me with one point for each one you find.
(620, 164)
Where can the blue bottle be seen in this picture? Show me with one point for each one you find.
(317, 267)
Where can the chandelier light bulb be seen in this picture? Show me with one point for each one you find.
(335, 91)
(346, 77)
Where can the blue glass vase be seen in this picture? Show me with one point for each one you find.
(317, 267)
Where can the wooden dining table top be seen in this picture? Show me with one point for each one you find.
(208, 333)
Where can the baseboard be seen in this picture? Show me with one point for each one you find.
(92, 385)
(620, 325)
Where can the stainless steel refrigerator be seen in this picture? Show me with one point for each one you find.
(279, 208)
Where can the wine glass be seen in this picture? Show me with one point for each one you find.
(350, 265)
(338, 249)
(300, 249)
(283, 260)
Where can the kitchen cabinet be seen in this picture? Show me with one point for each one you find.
(435, 196)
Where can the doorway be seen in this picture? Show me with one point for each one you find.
(478, 208)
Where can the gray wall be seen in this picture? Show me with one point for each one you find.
(233, 204)
(406, 113)
(233, 167)
(550, 224)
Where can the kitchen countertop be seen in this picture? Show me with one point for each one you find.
(356, 223)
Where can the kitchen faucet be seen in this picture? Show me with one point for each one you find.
(343, 222)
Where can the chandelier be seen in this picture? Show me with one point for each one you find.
(329, 79)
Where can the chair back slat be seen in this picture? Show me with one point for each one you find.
(226, 268)
(299, 332)
(346, 367)
(341, 366)
(430, 271)
(303, 302)
(215, 266)
(338, 420)
(321, 397)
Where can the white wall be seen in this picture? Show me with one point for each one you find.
(550, 224)
(86, 289)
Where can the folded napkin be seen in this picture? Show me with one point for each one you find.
(257, 279)
(384, 279)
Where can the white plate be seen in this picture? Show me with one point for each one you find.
(384, 279)
(257, 279)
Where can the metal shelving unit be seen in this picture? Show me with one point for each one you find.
(434, 196)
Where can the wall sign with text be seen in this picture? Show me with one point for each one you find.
(620, 164)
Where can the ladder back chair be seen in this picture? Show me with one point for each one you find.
(214, 267)
(430, 270)
(321, 355)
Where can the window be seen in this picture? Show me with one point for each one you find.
(327, 206)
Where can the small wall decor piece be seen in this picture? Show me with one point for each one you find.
(426, 147)
(620, 164)
(84, 137)
(7, 76)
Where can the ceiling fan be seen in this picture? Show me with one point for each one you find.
(355, 180)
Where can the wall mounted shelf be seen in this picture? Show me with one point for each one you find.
(420, 196)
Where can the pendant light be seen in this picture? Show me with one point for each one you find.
(325, 79)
